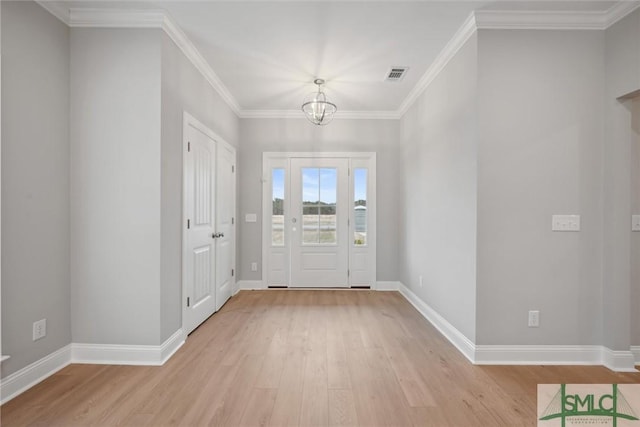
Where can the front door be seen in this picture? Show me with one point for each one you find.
(319, 222)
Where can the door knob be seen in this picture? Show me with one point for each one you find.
(217, 235)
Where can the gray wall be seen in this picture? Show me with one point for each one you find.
(35, 182)
(183, 89)
(438, 186)
(115, 186)
(540, 128)
(526, 105)
(622, 60)
(261, 135)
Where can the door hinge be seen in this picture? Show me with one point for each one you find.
(188, 146)
(188, 224)
(348, 273)
(188, 301)
(233, 168)
(233, 220)
(232, 272)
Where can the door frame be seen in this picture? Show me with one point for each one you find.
(283, 160)
(190, 121)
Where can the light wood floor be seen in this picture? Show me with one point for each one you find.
(302, 358)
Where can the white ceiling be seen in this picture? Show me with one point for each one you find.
(267, 53)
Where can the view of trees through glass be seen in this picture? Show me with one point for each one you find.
(277, 213)
(360, 206)
(319, 208)
(319, 189)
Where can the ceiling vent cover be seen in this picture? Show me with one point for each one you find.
(396, 74)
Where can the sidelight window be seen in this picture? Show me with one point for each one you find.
(277, 209)
(360, 206)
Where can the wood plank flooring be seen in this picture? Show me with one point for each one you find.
(302, 358)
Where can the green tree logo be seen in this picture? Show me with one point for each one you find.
(614, 406)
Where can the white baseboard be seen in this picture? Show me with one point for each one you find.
(618, 361)
(22, 380)
(457, 338)
(635, 350)
(538, 355)
(250, 285)
(171, 345)
(103, 354)
(388, 286)
(118, 354)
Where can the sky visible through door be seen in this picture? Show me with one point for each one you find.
(319, 208)
(319, 205)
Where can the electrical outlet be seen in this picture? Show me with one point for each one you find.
(39, 329)
(254, 266)
(534, 318)
(420, 281)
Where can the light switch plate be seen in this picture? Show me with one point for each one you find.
(635, 222)
(565, 222)
(250, 218)
(534, 318)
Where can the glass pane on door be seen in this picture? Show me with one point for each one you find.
(360, 206)
(277, 207)
(319, 206)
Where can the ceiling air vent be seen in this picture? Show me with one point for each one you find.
(396, 74)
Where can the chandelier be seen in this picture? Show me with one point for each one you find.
(317, 108)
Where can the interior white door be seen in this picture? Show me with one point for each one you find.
(225, 223)
(200, 265)
(319, 222)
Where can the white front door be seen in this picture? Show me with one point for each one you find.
(319, 222)
(225, 202)
(200, 258)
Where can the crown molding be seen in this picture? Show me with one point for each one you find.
(187, 47)
(297, 114)
(539, 20)
(481, 19)
(458, 40)
(116, 18)
(517, 20)
(619, 11)
(56, 9)
(125, 18)
(554, 20)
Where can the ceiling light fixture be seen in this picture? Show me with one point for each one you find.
(318, 110)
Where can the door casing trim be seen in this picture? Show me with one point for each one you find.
(190, 121)
(269, 158)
